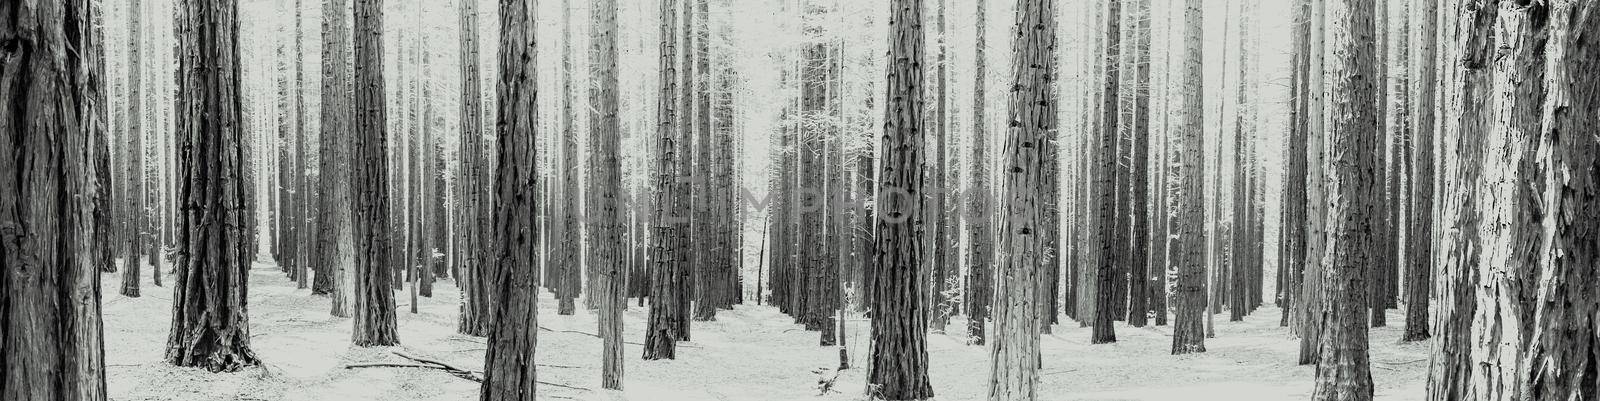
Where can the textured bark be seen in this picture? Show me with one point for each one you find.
(1311, 294)
(667, 288)
(606, 226)
(1188, 241)
(210, 327)
(899, 366)
(1562, 356)
(50, 332)
(569, 284)
(475, 274)
(509, 371)
(98, 92)
(1107, 234)
(1292, 245)
(980, 203)
(1465, 121)
(374, 301)
(1139, 262)
(1355, 193)
(1014, 355)
(1512, 189)
(335, 251)
(1419, 242)
(300, 221)
(133, 132)
(705, 289)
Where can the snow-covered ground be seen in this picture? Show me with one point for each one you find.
(751, 353)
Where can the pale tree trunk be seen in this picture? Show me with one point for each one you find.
(1511, 189)
(210, 321)
(1015, 360)
(568, 285)
(474, 273)
(50, 338)
(606, 201)
(1355, 193)
(899, 366)
(374, 300)
(1563, 350)
(1189, 245)
(335, 249)
(1465, 121)
(135, 212)
(1311, 294)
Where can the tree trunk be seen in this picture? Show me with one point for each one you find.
(1015, 360)
(899, 368)
(605, 200)
(134, 258)
(374, 298)
(1189, 245)
(50, 336)
(667, 288)
(1466, 120)
(1311, 294)
(1419, 256)
(980, 215)
(509, 369)
(1355, 190)
(1139, 262)
(476, 270)
(210, 322)
(1561, 357)
(1108, 254)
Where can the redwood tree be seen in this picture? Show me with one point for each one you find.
(210, 323)
(374, 299)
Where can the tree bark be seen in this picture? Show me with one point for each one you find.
(1108, 254)
(134, 258)
(1419, 257)
(899, 367)
(210, 327)
(605, 200)
(374, 299)
(1189, 245)
(667, 289)
(475, 273)
(1015, 360)
(51, 346)
(980, 212)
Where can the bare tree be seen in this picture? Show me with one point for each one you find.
(1419, 236)
(606, 200)
(374, 299)
(1189, 291)
(980, 279)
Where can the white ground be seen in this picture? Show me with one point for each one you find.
(751, 353)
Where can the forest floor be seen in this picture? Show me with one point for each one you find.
(750, 353)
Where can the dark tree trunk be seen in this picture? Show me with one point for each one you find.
(134, 258)
(475, 271)
(210, 327)
(1419, 238)
(1140, 268)
(334, 241)
(605, 201)
(374, 297)
(899, 367)
(980, 215)
(1107, 176)
(51, 346)
(667, 289)
(509, 369)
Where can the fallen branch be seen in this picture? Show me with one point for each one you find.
(680, 344)
(454, 371)
(1401, 363)
(825, 384)
(1054, 372)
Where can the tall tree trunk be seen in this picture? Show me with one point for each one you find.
(1139, 262)
(476, 272)
(1189, 291)
(1466, 120)
(210, 321)
(666, 277)
(335, 250)
(1562, 354)
(1419, 239)
(980, 279)
(605, 200)
(50, 334)
(1108, 254)
(509, 369)
(1355, 190)
(134, 258)
(899, 368)
(1311, 294)
(1015, 359)
(570, 285)
(374, 298)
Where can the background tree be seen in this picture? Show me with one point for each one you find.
(1419, 256)
(210, 320)
(1107, 234)
(134, 132)
(979, 209)
(666, 278)
(474, 274)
